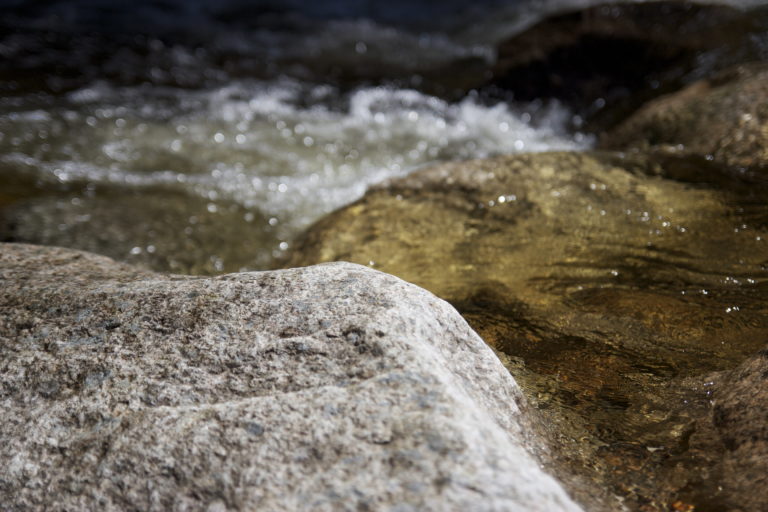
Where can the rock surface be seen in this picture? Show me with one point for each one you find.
(605, 61)
(730, 441)
(724, 119)
(334, 387)
(741, 419)
(613, 291)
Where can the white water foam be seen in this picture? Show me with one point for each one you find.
(288, 149)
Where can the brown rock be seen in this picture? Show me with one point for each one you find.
(741, 419)
(724, 120)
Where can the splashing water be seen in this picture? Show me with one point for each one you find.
(283, 151)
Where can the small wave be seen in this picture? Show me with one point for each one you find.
(290, 149)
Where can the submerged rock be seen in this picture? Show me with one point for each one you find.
(724, 119)
(327, 388)
(611, 292)
(605, 61)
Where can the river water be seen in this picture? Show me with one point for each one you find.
(202, 137)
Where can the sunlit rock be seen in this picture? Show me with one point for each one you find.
(723, 120)
(328, 388)
(610, 291)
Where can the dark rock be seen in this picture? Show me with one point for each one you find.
(605, 61)
(740, 417)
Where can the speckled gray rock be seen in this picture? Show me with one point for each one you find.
(333, 387)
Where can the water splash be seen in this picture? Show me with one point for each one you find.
(288, 150)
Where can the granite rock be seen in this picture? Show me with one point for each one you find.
(334, 387)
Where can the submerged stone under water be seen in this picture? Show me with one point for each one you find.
(614, 296)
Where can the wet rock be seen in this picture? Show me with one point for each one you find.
(610, 291)
(723, 119)
(740, 417)
(729, 439)
(328, 388)
(605, 61)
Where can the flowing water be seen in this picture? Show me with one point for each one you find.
(207, 141)
(278, 153)
(202, 136)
